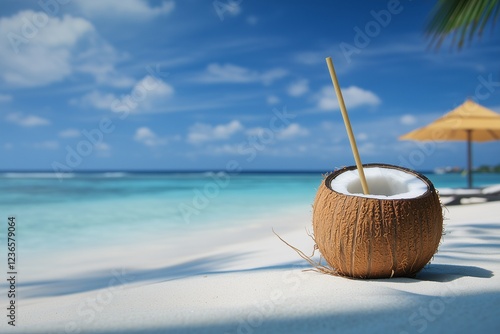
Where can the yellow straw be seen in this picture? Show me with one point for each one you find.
(348, 127)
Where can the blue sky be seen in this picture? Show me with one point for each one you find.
(169, 85)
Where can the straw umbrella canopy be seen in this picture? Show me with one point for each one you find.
(469, 121)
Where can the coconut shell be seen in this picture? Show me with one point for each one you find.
(377, 238)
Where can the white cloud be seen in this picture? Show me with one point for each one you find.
(5, 98)
(129, 9)
(69, 133)
(146, 136)
(148, 94)
(272, 99)
(53, 49)
(362, 136)
(292, 131)
(144, 133)
(103, 70)
(229, 73)
(234, 8)
(47, 145)
(258, 131)
(154, 87)
(45, 57)
(231, 7)
(199, 132)
(97, 100)
(102, 147)
(268, 77)
(8, 146)
(97, 58)
(408, 120)
(368, 148)
(252, 20)
(353, 97)
(27, 120)
(298, 88)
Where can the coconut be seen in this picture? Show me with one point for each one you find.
(393, 231)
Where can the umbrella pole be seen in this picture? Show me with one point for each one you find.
(469, 158)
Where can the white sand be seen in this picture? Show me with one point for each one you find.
(244, 280)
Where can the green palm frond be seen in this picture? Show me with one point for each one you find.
(463, 19)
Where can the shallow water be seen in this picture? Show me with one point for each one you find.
(94, 209)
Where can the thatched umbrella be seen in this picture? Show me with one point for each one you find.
(469, 121)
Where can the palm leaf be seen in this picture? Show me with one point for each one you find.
(461, 19)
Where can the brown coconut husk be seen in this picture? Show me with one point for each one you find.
(377, 238)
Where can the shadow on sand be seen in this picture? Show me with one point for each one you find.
(212, 264)
(450, 272)
(206, 266)
(123, 276)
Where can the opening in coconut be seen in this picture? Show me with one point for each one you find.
(384, 182)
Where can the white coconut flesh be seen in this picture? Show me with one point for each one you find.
(383, 183)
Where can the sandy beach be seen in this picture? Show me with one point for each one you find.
(160, 161)
(244, 280)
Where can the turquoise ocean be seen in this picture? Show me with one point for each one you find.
(95, 209)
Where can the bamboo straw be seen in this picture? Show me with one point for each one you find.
(348, 127)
